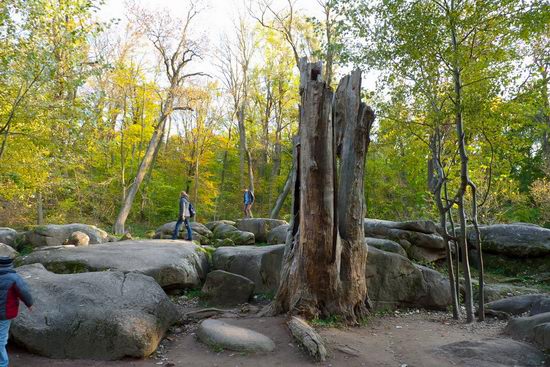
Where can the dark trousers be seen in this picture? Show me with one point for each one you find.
(177, 229)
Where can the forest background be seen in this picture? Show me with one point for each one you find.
(82, 100)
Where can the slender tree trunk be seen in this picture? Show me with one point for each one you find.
(143, 168)
(288, 183)
(242, 144)
(222, 180)
(439, 179)
(39, 208)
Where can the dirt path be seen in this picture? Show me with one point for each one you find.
(405, 339)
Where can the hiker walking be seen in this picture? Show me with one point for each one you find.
(248, 199)
(12, 289)
(186, 211)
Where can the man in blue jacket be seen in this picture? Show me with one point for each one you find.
(248, 199)
(183, 217)
(12, 289)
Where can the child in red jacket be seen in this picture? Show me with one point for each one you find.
(12, 289)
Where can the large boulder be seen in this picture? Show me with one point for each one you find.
(226, 289)
(103, 315)
(386, 245)
(531, 303)
(55, 235)
(514, 240)
(532, 328)
(239, 238)
(220, 334)
(260, 264)
(212, 225)
(420, 239)
(8, 236)
(498, 291)
(493, 352)
(200, 232)
(8, 251)
(173, 264)
(393, 280)
(278, 235)
(259, 226)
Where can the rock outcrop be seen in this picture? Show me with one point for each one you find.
(386, 245)
(277, 235)
(532, 328)
(223, 231)
(259, 226)
(222, 288)
(393, 280)
(8, 251)
(420, 239)
(56, 235)
(173, 264)
(103, 315)
(8, 236)
(514, 240)
(260, 264)
(200, 232)
(518, 305)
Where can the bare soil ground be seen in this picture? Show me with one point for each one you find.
(397, 340)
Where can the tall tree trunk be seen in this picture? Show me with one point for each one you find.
(222, 180)
(288, 183)
(322, 273)
(143, 168)
(242, 144)
(39, 208)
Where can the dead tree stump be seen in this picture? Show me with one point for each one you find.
(323, 270)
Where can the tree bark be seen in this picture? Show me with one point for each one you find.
(143, 168)
(324, 274)
(288, 183)
(39, 208)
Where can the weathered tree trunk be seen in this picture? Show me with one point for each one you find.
(354, 120)
(324, 274)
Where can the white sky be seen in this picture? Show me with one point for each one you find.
(214, 21)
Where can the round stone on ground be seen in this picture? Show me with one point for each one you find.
(221, 335)
(226, 289)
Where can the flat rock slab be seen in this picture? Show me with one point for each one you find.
(532, 328)
(103, 315)
(532, 303)
(219, 334)
(226, 289)
(516, 240)
(493, 352)
(173, 264)
(386, 245)
(260, 264)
